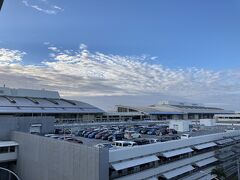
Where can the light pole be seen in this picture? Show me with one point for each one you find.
(238, 169)
(1, 168)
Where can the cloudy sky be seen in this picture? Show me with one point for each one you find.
(124, 52)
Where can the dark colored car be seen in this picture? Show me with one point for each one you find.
(116, 137)
(152, 131)
(169, 138)
(99, 135)
(105, 136)
(92, 135)
(87, 133)
(172, 131)
(58, 131)
(144, 131)
(110, 138)
(74, 140)
(78, 133)
(138, 130)
(141, 141)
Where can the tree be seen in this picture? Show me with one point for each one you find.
(219, 172)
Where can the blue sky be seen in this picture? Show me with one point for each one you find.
(179, 44)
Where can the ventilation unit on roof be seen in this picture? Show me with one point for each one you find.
(70, 102)
(52, 101)
(33, 100)
(10, 99)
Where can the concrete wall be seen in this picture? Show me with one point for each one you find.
(179, 125)
(41, 158)
(12, 123)
(208, 122)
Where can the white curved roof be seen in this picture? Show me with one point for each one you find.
(44, 105)
(175, 109)
(40, 101)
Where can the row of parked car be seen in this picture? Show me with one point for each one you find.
(104, 134)
(156, 130)
(122, 144)
(116, 133)
(68, 138)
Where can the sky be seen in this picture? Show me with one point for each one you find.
(127, 52)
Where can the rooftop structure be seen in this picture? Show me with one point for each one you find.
(229, 119)
(175, 110)
(28, 102)
(192, 158)
(174, 159)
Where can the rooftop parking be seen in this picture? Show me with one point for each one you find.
(141, 134)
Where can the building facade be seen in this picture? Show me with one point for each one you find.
(166, 110)
(193, 158)
(42, 103)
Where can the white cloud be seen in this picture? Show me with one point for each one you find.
(54, 49)
(83, 73)
(43, 6)
(8, 56)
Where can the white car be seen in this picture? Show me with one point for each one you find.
(104, 145)
(185, 136)
(153, 140)
(49, 135)
(122, 144)
(132, 135)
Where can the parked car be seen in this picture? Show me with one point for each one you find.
(132, 135)
(99, 135)
(58, 131)
(153, 140)
(169, 138)
(87, 133)
(185, 136)
(152, 131)
(74, 140)
(79, 132)
(64, 137)
(144, 130)
(122, 144)
(92, 135)
(49, 135)
(105, 136)
(67, 131)
(141, 141)
(116, 137)
(138, 129)
(194, 130)
(104, 145)
(172, 131)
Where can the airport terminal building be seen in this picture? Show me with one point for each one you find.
(167, 110)
(27, 115)
(42, 103)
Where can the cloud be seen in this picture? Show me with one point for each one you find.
(43, 6)
(8, 56)
(84, 73)
(54, 49)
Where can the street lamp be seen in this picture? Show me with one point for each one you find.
(11, 172)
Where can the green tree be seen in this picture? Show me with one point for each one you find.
(219, 172)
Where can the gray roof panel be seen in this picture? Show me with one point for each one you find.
(26, 105)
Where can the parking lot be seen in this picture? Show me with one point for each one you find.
(140, 135)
